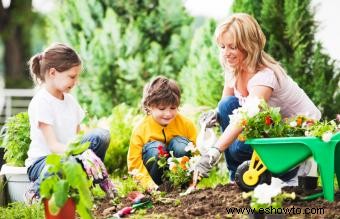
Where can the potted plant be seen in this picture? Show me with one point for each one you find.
(16, 141)
(66, 186)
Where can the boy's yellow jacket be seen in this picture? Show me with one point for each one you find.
(149, 130)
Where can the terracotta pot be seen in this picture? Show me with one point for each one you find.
(68, 211)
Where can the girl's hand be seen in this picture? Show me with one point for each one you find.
(108, 187)
(93, 165)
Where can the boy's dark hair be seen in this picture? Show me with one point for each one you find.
(161, 91)
(58, 56)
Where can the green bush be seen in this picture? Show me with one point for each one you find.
(123, 45)
(17, 139)
(122, 121)
(202, 71)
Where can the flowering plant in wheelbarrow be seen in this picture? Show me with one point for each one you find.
(259, 120)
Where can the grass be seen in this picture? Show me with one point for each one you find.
(19, 210)
(126, 185)
(218, 175)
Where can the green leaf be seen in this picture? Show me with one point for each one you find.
(61, 189)
(77, 148)
(151, 159)
(46, 186)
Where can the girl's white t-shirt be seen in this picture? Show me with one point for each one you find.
(63, 115)
(287, 95)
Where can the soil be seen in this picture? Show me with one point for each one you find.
(212, 203)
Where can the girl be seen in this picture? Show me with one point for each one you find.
(162, 130)
(55, 117)
(250, 71)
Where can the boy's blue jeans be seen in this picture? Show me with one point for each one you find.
(177, 145)
(99, 142)
(238, 151)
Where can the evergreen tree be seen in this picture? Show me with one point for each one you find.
(290, 29)
(123, 44)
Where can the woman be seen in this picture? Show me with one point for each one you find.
(250, 71)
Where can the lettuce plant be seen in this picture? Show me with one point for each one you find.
(17, 139)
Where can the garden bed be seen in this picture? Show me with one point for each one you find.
(212, 203)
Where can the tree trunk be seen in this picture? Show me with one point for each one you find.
(15, 28)
(14, 56)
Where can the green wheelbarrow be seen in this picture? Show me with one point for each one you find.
(279, 155)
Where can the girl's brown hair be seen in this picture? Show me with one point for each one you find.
(58, 56)
(161, 91)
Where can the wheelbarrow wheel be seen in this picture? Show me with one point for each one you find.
(265, 177)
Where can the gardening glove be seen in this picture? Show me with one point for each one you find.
(93, 165)
(207, 161)
(209, 119)
(108, 187)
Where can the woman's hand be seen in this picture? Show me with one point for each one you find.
(209, 118)
(207, 161)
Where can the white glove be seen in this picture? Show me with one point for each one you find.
(209, 119)
(207, 161)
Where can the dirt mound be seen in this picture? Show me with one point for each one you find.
(213, 203)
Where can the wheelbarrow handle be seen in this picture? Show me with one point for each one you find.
(312, 197)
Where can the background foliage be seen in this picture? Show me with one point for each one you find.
(17, 139)
(121, 121)
(201, 78)
(123, 44)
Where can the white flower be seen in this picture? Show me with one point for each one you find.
(170, 160)
(307, 133)
(264, 192)
(293, 124)
(172, 165)
(326, 137)
(251, 106)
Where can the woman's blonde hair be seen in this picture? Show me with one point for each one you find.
(249, 38)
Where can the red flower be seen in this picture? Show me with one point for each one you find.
(161, 152)
(268, 120)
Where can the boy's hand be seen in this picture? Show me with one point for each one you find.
(207, 161)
